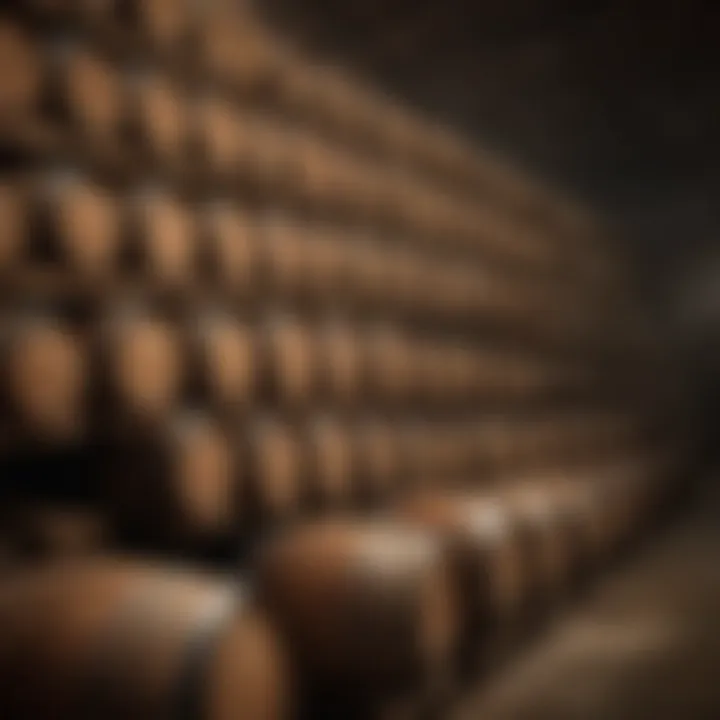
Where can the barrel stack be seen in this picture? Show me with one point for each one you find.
(308, 405)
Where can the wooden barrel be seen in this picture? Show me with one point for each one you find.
(627, 488)
(546, 549)
(372, 276)
(228, 45)
(405, 282)
(377, 461)
(289, 363)
(283, 256)
(317, 172)
(228, 248)
(599, 515)
(328, 464)
(113, 639)
(443, 454)
(156, 120)
(160, 243)
(274, 165)
(19, 94)
(163, 24)
(429, 369)
(387, 366)
(483, 543)
(339, 357)
(43, 379)
(417, 442)
(175, 484)
(72, 224)
(366, 273)
(366, 609)
(79, 88)
(222, 360)
(214, 138)
(326, 264)
(612, 498)
(647, 486)
(270, 468)
(138, 368)
(580, 520)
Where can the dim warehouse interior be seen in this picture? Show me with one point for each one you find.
(359, 360)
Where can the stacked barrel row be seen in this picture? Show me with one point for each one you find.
(388, 617)
(227, 47)
(253, 314)
(126, 79)
(61, 224)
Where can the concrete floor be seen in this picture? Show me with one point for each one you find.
(645, 643)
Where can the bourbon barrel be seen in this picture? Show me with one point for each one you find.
(115, 639)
